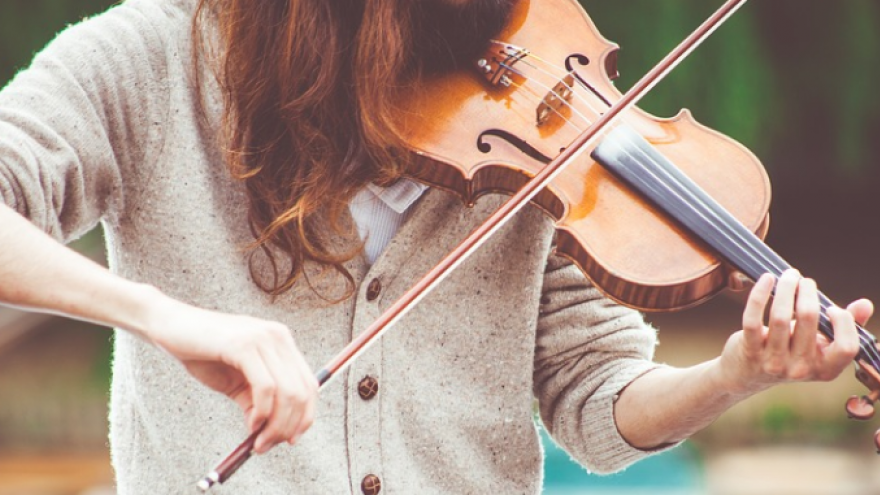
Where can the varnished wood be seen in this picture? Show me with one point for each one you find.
(629, 250)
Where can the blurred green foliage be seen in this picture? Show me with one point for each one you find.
(783, 423)
(27, 25)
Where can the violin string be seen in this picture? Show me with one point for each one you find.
(555, 111)
(544, 86)
(525, 117)
(560, 74)
(765, 260)
(561, 70)
(550, 90)
(866, 341)
(762, 260)
(779, 269)
(765, 256)
(560, 80)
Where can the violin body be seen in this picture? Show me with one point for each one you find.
(492, 127)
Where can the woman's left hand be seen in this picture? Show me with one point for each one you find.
(789, 347)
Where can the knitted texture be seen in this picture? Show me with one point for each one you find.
(103, 127)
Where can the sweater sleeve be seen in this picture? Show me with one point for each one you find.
(80, 116)
(588, 349)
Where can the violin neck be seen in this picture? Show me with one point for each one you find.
(632, 159)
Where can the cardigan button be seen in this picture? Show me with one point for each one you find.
(374, 289)
(368, 388)
(371, 485)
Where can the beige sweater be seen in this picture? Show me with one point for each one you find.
(103, 128)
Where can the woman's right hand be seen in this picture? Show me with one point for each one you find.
(254, 362)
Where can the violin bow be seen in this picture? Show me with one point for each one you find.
(232, 462)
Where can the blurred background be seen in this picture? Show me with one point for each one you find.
(795, 81)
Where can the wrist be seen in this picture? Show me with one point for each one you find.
(730, 381)
(146, 303)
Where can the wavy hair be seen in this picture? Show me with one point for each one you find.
(309, 88)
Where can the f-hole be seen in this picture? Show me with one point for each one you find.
(517, 142)
(583, 61)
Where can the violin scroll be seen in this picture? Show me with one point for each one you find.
(862, 408)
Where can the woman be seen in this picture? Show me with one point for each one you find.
(243, 160)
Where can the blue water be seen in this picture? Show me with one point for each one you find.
(678, 471)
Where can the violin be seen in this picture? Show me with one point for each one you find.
(660, 214)
(493, 128)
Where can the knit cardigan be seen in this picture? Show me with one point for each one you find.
(104, 128)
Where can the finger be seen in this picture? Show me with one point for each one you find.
(862, 310)
(306, 420)
(308, 387)
(262, 387)
(803, 341)
(288, 393)
(291, 353)
(753, 315)
(781, 312)
(843, 350)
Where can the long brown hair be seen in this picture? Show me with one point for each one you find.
(309, 89)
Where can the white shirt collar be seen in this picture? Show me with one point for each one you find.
(400, 195)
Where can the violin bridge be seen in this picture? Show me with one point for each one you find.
(555, 99)
(498, 61)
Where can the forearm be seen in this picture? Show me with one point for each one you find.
(668, 405)
(40, 274)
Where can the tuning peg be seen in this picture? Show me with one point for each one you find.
(877, 441)
(860, 408)
(868, 373)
